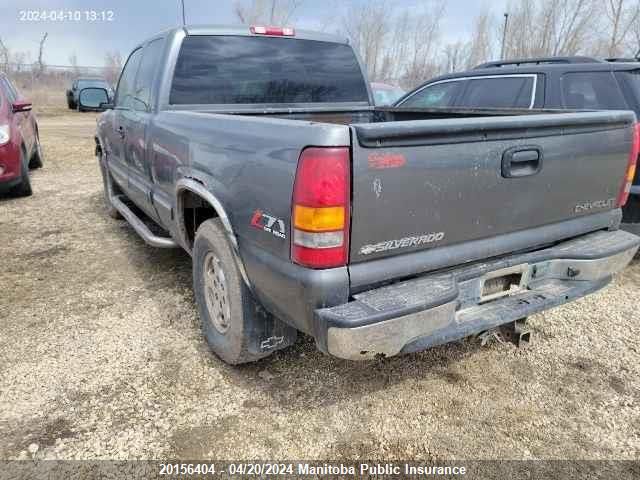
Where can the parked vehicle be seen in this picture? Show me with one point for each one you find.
(385, 94)
(376, 231)
(88, 82)
(19, 141)
(573, 83)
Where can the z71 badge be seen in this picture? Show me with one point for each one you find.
(268, 223)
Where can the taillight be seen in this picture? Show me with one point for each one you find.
(631, 167)
(320, 213)
(277, 31)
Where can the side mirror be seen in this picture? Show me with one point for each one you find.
(21, 106)
(93, 98)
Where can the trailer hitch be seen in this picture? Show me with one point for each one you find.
(517, 332)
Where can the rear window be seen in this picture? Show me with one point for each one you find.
(505, 92)
(591, 90)
(245, 70)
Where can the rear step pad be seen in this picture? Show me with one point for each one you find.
(139, 225)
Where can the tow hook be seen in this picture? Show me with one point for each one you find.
(517, 332)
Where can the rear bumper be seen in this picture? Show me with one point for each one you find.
(431, 310)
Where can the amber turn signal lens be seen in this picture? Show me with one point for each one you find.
(319, 219)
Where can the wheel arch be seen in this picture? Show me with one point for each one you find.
(186, 190)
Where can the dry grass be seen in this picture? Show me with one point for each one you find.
(48, 94)
(101, 356)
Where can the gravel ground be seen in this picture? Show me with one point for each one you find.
(101, 356)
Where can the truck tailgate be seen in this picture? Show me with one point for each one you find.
(425, 184)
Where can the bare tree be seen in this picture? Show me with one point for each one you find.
(396, 49)
(456, 56)
(272, 12)
(482, 42)
(549, 27)
(19, 59)
(113, 66)
(424, 44)
(368, 25)
(40, 63)
(621, 16)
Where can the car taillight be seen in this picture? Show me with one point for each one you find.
(277, 31)
(631, 167)
(320, 212)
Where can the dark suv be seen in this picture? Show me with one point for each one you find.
(573, 83)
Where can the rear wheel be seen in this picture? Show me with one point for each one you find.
(237, 329)
(24, 187)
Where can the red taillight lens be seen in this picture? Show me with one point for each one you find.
(277, 31)
(631, 167)
(320, 213)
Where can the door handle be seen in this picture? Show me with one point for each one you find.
(120, 131)
(521, 161)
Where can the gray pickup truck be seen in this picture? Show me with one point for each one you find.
(377, 231)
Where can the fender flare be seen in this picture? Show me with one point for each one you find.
(197, 187)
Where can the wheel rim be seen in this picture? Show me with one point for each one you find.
(216, 293)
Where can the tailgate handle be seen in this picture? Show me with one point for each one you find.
(521, 161)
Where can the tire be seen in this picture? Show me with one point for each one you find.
(37, 157)
(236, 328)
(107, 183)
(23, 189)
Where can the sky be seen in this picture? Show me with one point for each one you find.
(134, 20)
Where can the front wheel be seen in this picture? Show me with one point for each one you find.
(237, 329)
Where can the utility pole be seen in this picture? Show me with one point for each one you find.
(504, 35)
(184, 22)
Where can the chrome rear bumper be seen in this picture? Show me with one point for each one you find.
(420, 313)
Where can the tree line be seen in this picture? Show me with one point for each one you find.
(409, 47)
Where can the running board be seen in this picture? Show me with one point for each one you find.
(140, 227)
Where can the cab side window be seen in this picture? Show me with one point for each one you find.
(146, 75)
(126, 85)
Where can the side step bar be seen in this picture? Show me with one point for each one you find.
(139, 226)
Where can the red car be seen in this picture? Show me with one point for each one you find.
(19, 142)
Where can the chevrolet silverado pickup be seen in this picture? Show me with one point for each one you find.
(378, 231)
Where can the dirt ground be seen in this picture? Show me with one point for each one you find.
(101, 356)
